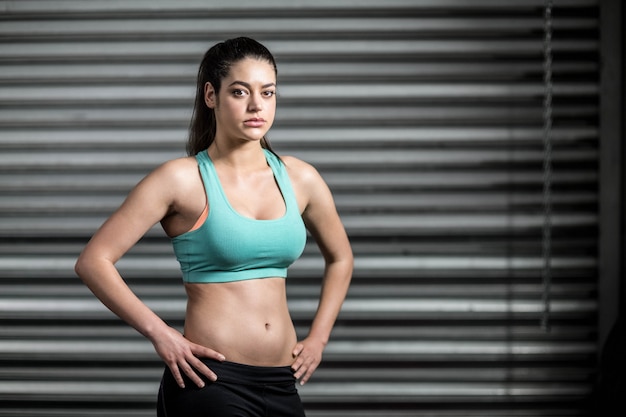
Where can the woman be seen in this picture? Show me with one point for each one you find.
(236, 214)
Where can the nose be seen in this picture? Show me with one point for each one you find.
(255, 103)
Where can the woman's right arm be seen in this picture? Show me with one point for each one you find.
(149, 202)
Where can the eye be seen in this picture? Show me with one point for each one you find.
(269, 93)
(238, 92)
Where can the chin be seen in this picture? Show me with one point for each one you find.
(254, 138)
(251, 139)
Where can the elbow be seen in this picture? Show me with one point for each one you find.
(346, 264)
(349, 260)
(79, 266)
(346, 259)
(350, 268)
(83, 266)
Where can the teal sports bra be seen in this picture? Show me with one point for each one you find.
(230, 247)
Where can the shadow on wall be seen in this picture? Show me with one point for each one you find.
(608, 399)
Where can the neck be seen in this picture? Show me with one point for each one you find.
(246, 157)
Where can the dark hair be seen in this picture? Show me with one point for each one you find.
(214, 67)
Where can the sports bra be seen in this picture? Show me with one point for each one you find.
(231, 247)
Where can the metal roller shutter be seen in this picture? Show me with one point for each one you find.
(425, 117)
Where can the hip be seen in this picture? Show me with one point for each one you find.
(259, 390)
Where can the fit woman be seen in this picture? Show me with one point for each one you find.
(237, 215)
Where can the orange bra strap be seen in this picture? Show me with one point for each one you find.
(202, 218)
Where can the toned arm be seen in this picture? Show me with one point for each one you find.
(156, 197)
(323, 222)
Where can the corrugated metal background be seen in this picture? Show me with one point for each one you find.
(425, 119)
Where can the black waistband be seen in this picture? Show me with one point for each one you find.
(239, 373)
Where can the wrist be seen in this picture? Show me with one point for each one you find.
(319, 337)
(154, 330)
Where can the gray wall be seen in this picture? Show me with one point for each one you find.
(425, 118)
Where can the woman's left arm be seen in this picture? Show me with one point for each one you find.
(323, 222)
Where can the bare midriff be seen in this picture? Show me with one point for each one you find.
(246, 321)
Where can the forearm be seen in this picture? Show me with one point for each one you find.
(105, 282)
(335, 284)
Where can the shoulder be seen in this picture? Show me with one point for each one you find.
(175, 184)
(178, 165)
(176, 170)
(171, 178)
(307, 182)
(300, 171)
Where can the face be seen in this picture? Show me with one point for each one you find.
(246, 103)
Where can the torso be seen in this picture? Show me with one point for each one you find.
(247, 321)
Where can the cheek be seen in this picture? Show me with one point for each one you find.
(271, 108)
(230, 107)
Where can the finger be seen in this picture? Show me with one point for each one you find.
(191, 374)
(301, 374)
(297, 350)
(296, 365)
(308, 374)
(204, 352)
(204, 369)
(298, 374)
(214, 355)
(177, 375)
(300, 367)
(298, 359)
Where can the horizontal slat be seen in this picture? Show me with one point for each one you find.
(389, 202)
(362, 392)
(477, 262)
(503, 411)
(147, 6)
(54, 73)
(400, 350)
(298, 137)
(333, 25)
(392, 308)
(373, 159)
(366, 117)
(405, 180)
(352, 93)
(357, 225)
(522, 331)
(370, 49)
(323, 375)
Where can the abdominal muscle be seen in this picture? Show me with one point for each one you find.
(246, 321)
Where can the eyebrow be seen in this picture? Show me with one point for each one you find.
(248, 86)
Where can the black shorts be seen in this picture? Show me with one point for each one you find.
(240, 391)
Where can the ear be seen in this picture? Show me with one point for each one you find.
(210, 98)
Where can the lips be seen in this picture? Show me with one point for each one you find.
(255, 122)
